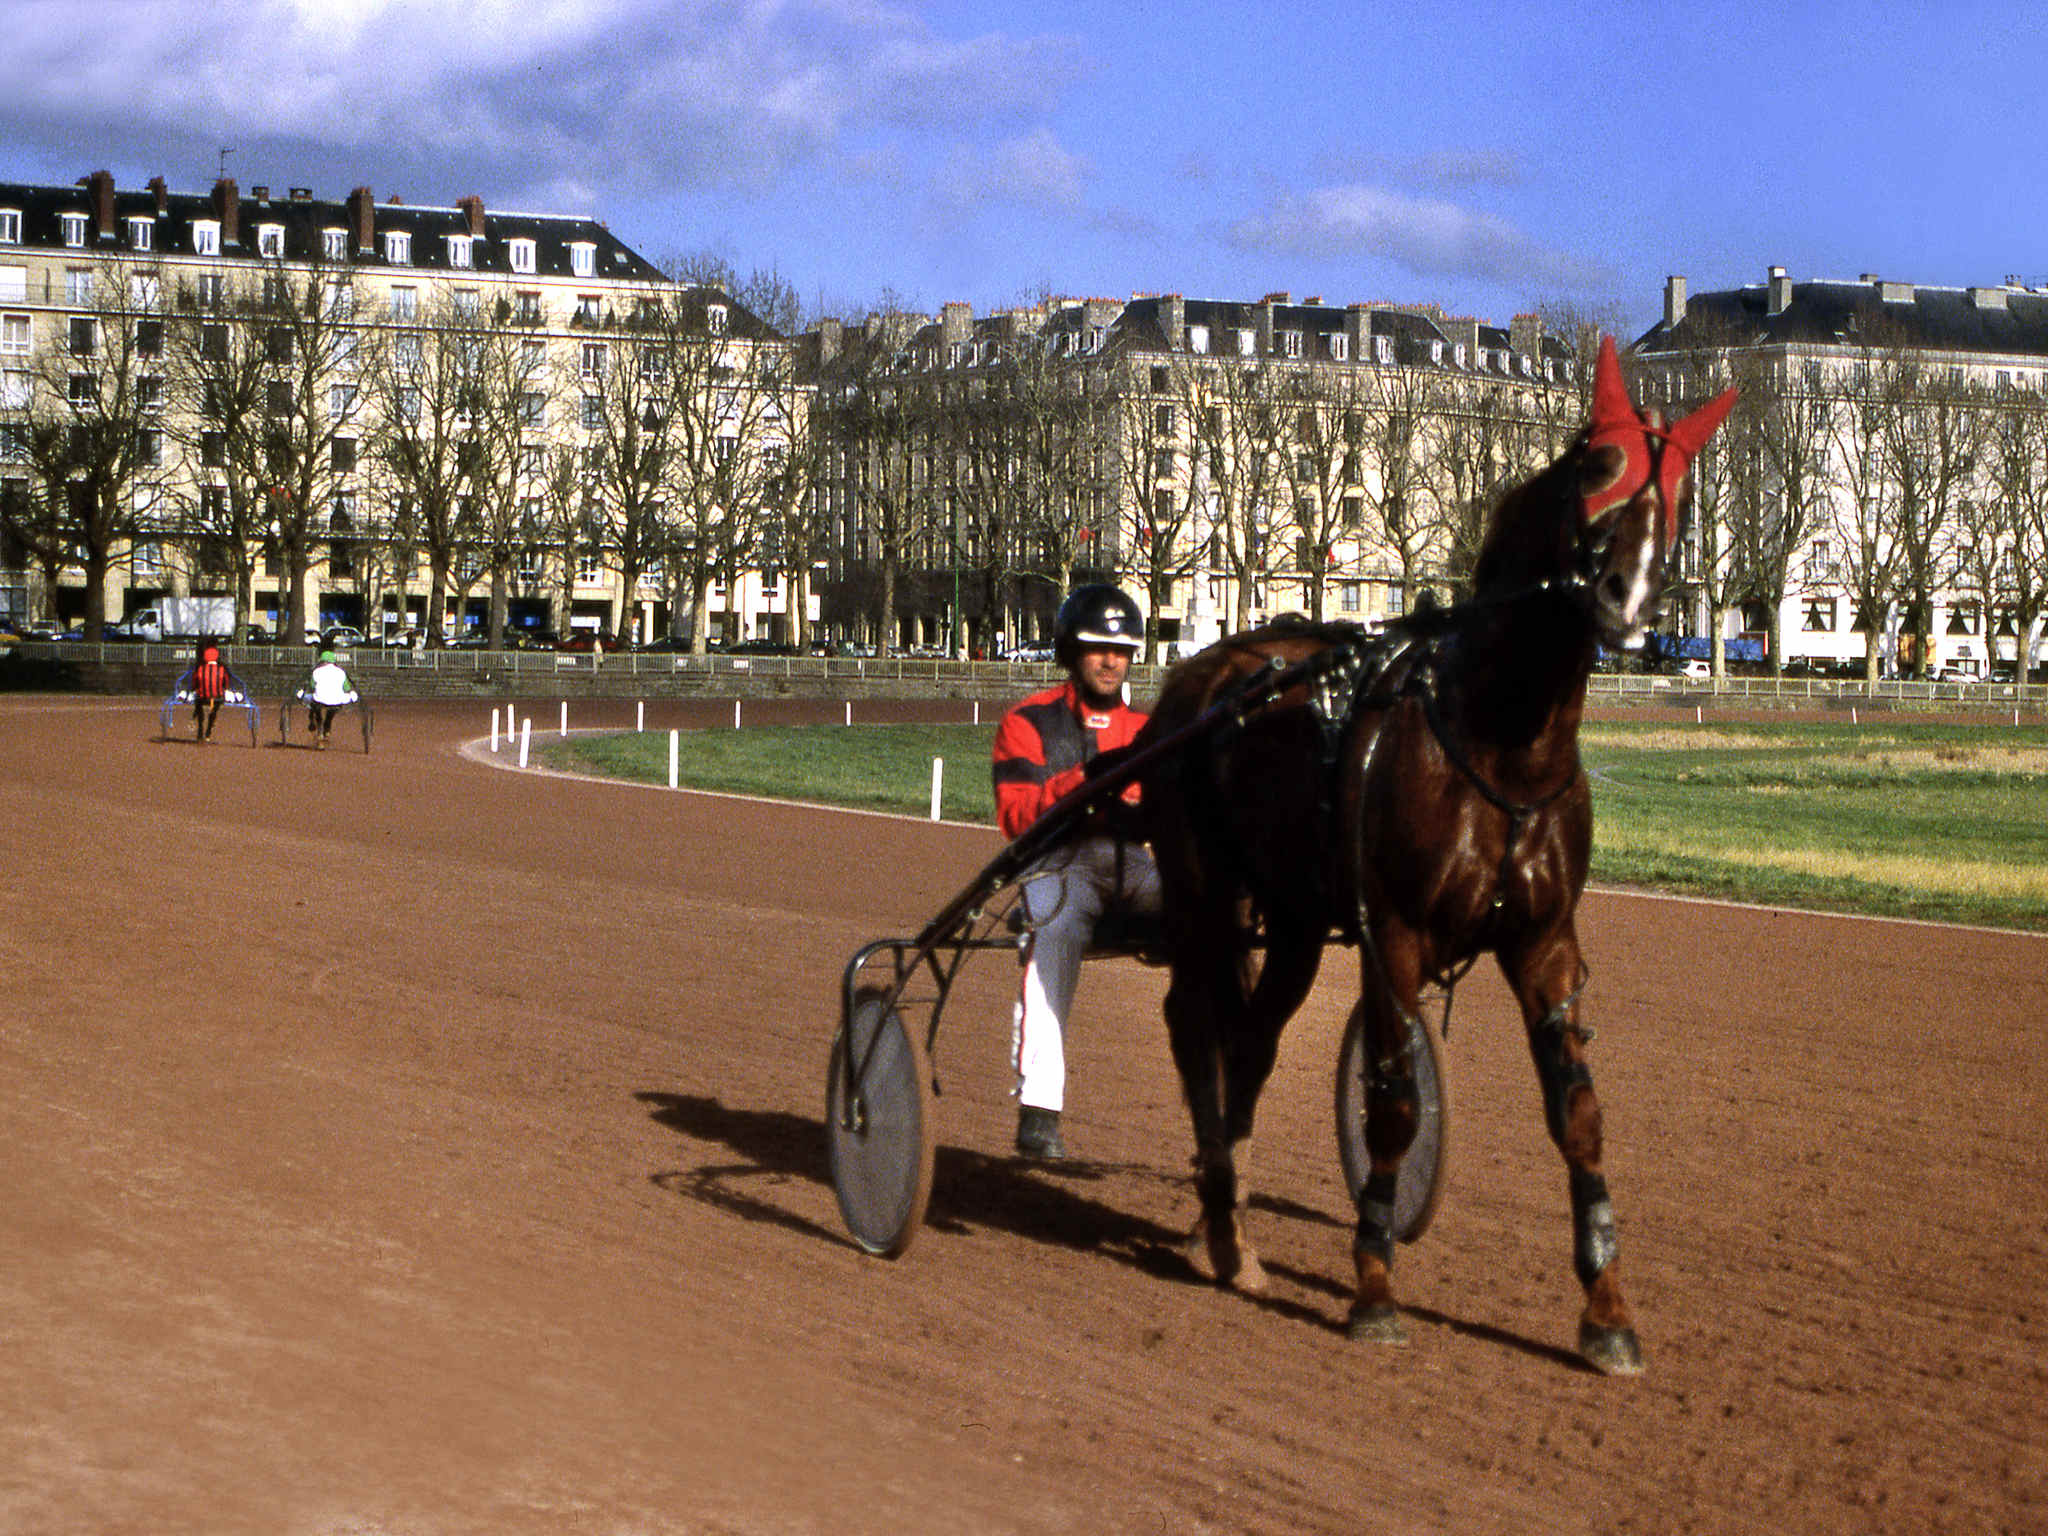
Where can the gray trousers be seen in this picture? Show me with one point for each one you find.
(1063, 899)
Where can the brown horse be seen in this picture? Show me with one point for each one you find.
(1424, 797)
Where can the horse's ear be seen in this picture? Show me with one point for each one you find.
(1610, 396)
(1690, 434)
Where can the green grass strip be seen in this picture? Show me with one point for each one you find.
(1890, 817)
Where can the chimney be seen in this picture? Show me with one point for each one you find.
(1173, 319)
(163, 194)
(956, 322)
(1262, 320)
(261, 194)
(302, 194)
(99, 186)
(1780, 296)
(227, 207)
(1358, 331)
(473, 207)
(1525, 332)
(830, 333)
(1674, 302)
(362, 219)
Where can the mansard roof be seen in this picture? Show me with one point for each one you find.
(2010, 319)
(304, 220)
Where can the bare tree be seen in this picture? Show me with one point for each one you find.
(1157, 487)
(2005, 534)
(1776, 443)
(90, 432)
(1930, 430)
(1386, 421)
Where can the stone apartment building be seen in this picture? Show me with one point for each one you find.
(445, 398)
(1226, 461)
(1878, 503)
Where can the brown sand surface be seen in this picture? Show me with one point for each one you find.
(392, 1144)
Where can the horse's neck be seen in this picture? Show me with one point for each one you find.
(1517, 682)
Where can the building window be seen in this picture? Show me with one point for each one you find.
(213, 449)
(344, 455)
(468, 304)
(526, 307)
(1347, 596)
(149, 392)
(334, 244)
(716, 317)
(1247, 342)
(1162, 382)
(521, 252)
(83, 335)
(1963, 618)
(82, 389)
(145, 291)
(593, 412)
(10, 226)
(205, 237)
(149, 448)
(142, 234)
(15, 335)
(212, 289)
(1162, 420)
(594, 359)
(589, 309)
(1819, 618)
(1198, 338)
(16, 385)
(74, 228)
(341, 401)
(405, 305)
(461, 251)
(78, 285)
(1383, 349)
(398, 247)
(582, 258)
(270, 240)
(533, 408)
(341, 299)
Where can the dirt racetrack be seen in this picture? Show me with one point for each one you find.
(392, 1144)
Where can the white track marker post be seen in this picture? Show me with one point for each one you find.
(1852, 714)
(565, 717)
(735, 714)
(494, 727)
(640, 716)
(849, 711)
(938, 780)
(674, 757)
(525, 738)
(977, 711)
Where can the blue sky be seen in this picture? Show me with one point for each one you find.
(1487, 157)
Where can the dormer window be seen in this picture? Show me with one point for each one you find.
(582, 258)
(1247, 342)
(398, 247)
(1383, 348)
(206, 237)
(74, 228)
(142, 234)
(1340, 347)
(10, 226)
(270, 240)
(716, 317)
(1290, 343)
(461, 251)
(522, 255)
(334, 244)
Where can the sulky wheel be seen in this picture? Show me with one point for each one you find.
(369, 719)
(878, 1118)
(1420, 1183)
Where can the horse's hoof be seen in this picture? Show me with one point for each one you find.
(1379, 1323)
(1611, 1351)
(1250, 1279)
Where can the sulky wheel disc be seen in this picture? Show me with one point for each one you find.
(1420, 1182)
(878, 1119)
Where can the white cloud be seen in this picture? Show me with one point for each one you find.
(1031, 171)
(1427, 236)
(632, 94)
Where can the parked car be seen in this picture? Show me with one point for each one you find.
(1696, 671)
(761, 648)
(1955, 675)
(585, 640)
(343, 637)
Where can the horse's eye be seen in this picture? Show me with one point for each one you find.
(1600, 469)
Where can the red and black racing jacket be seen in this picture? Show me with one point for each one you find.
(1041, 747)
(209, 681)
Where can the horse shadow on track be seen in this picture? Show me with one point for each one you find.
(1058, 1205)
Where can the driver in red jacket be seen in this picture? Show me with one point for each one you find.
(1042, 749)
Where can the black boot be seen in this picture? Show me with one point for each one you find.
(1038, 1134)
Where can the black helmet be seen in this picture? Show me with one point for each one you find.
(1097, 614)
